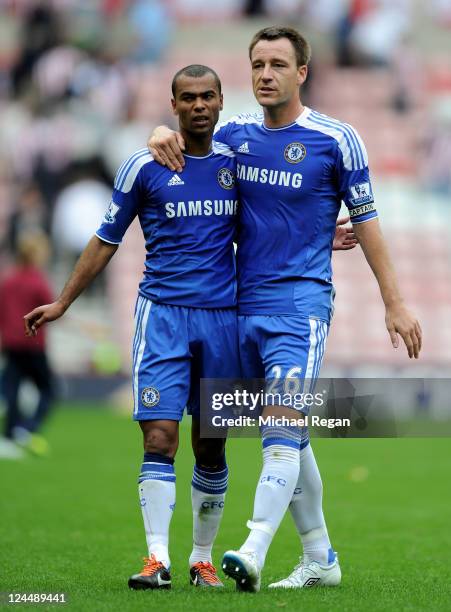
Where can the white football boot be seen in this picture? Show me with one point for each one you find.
(243, 568)
(310, 575)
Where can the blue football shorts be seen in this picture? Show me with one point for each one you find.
(285, 350)
(173, 348)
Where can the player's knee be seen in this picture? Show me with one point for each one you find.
(160, 439)
(209, 452)
(313, 485)
(317, 487)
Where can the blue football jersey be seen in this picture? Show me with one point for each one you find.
(292, 181)
(188, 221)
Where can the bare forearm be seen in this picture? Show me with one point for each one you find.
(93, 260)
(376, 252)
(398, 318)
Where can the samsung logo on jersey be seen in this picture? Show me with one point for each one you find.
(282, 178)
(196, 208)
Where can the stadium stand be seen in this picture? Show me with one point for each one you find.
(394, 122)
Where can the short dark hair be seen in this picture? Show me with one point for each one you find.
(197, 71)
(300, 45)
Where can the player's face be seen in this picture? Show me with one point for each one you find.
(197, 103)
(276, 78)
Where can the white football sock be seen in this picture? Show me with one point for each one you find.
(207, 514)
(317, 547)
(306, 508)
(274, 492)
(207, 498)
(157, 499)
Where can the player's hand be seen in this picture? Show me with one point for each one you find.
(344, 238)
(40, 315)
(399, 320)
(166, 147)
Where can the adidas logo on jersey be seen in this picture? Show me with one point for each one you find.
(175, 180)
(244, 148)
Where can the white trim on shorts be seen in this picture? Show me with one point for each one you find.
(318, 337)
(139, 344)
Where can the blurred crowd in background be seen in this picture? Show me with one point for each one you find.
(82, 84)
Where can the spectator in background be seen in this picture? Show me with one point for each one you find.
(356, 10)
(31, 214)
(151, 27)
(25, 287)
(78, 209)
(254, 8)
(40, 32)
(371, 32)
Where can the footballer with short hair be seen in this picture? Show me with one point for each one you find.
(294, 168)
(185, 317)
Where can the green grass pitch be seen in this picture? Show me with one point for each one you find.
(71, 523)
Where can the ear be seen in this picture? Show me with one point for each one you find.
(221, 102)
(174, 107)
(302, 74)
